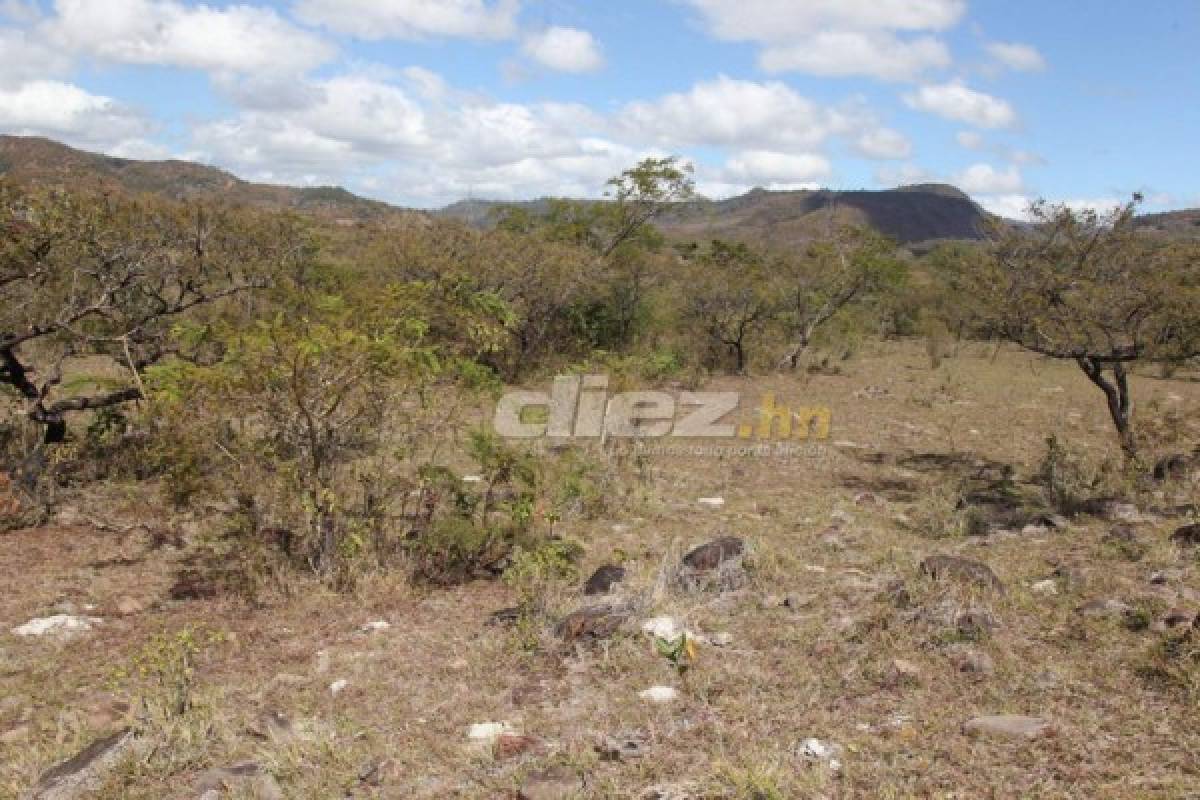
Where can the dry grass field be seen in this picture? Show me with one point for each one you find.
(834, 634)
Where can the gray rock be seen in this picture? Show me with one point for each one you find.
(972, 661)
(83, 774)
(945, 567)
(1008, 726)
(626, 747)
(246, 777)
(591, 624)
(604, 579)
(1187, 536)
(1103, 607)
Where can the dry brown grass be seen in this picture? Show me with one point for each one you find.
(1125, 714)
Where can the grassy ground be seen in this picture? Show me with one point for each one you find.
(838, 527)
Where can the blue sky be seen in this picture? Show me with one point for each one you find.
(421, 102)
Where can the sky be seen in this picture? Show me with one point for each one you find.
(424, 102)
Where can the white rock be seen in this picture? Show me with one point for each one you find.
(376, 626)
(472, 479)
(668, 628)
(1046, 587)
(712, 502)
(339, 686)
(659, 694)
(841, 516)
(57, 625)
(825, 752)
(488, 731)
(720, 639)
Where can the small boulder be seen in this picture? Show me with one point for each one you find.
(1187, 536)
(659, 694)
(971, 661)
(712, 555)
(627, 747)
(604, 579)
(513, 745)
(83, 774)
(941, 567)
(1008, 726)
(591, 624)
(59, 625)
(1103, 607)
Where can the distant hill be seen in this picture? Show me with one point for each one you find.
(910, 214)
(36, 160)
(1185, 224)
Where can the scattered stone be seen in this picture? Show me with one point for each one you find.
(628, 747)
(604, 579)
(59, 625)
(841, 517)
(868, 499)
(827, 753)
(1103, 607)
(795, 602)
(1047, 588)
(669, 791)
(504, 617)
(130, 606)
(1187, 536)
(959, 568)
(1008, 726)
(271, 725)
(716, 565)
(82, 775)
(246, 776)
(512, 745)
(488, 732)
(668, 628)
(1176, 467)
(1179, 618)
(722, 639)
(972, 661)
(712, 502)
(659, 694)
(472, 479)
(591, 624)
(377, 626)
(712, 555)
(558, 783)
(1164, 576)
(338, 686)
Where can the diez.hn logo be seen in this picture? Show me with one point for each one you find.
(580, 407)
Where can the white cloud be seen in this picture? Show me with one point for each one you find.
(27, 58)
(956, 102)
(838, 37)
(1009, 206)
(883, 144)
(729, 112)
(1016, 56)
(843, 53)
(68, 113)
(230, 39)
(414, 19)
(774, 20)
(986, 179)
(564, 49)
(969, 140)
(776, 170)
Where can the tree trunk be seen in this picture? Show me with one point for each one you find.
(1118, 398)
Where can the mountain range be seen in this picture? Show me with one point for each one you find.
(911, 214)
